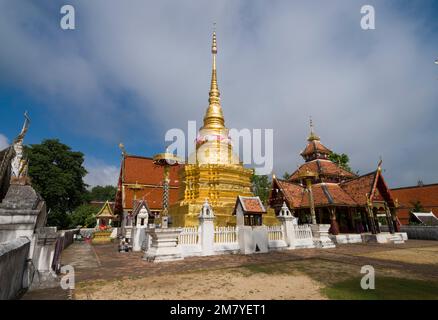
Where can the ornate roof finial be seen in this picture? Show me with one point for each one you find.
(19, 164)
(312, 135)
(379, 165)
(122, 148)
(214, 118)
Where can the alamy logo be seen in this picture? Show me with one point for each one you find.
(68, 280)
(249, 146)
(68, 20)
(368, 280)
(368, 21)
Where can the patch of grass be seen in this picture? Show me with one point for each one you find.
(263, 268)
(386, 288)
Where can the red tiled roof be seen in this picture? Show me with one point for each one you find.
(253, 205)
(142, 170)
(323, 194)
(153, 196)
(292, 192)
(315, 146)
(328, 194)
(323, 168)
(426, 194)
(250, 204)
(349, 193)
(359, 187)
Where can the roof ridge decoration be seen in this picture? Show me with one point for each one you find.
(139, 204)
(106, 208)
(327, 193)
(312, 136)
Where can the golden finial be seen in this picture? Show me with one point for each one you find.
(312, 135)
(214, 118)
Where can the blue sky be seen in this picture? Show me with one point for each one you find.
(128, 73)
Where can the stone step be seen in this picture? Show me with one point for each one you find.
(396, 239)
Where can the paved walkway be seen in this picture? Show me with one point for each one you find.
(103, 262)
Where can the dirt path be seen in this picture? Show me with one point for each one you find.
(103, 273)
(205, 286)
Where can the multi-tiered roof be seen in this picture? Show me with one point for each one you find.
(331, 184)
(317, 160)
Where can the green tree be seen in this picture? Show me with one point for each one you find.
(341, 160)
(417, 206)
(261, 186)
(57, 174)
(286, 175)
(84, 215)
(102, 193)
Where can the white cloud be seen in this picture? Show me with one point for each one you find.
(4, 143)
(371, 93)
(100, 173)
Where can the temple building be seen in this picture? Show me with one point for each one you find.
(213, 172)
(421, 195)
(322, 192)
(141, 179)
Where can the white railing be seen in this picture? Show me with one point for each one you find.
(303, 231)
(225, 234)
(189, 235)
(275, 232)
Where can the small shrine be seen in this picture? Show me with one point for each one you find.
(249, 211)
(142, 215)
(104, 220)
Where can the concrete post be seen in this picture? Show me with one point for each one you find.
(206, 228)
(286, 218)
(321, 236)
(43, 254)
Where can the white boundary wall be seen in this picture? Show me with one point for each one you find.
(225, 239)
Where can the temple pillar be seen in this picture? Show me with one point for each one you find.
(311, 202)
(334, 226)
(394, 220)
(371, 221)
(389, 219)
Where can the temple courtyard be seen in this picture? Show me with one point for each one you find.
(403, 271)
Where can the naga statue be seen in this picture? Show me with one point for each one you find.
(19, 164)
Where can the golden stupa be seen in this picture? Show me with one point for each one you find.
(213, 172)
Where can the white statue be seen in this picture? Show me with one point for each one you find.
(19, 164)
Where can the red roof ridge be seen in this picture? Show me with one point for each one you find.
(289, 182)
(417, 186)
(358, 177)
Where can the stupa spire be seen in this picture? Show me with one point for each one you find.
(214, 118)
